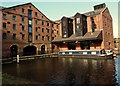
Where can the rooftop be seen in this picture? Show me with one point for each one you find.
(97, 35)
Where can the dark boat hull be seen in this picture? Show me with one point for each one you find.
(86, 56)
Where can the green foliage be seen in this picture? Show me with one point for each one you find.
(8, 79)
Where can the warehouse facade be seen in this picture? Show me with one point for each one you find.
(92, 30)
(26, 31)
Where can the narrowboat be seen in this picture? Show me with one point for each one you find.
(87, 53)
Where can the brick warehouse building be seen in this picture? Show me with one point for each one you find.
(91, 30)
(26, 31)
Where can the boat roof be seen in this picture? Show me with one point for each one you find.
(80, 50)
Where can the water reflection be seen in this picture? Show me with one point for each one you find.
(118, 70)
(66, 71)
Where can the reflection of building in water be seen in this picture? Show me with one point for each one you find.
(85, 62)
(97, 72)
(94, 64)
(71, 60)
(118, 70)
(63, 60)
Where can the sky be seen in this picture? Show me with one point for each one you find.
(56, 10)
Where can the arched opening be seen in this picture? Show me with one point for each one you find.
(43, 49)
(29, 50)
(14, 50)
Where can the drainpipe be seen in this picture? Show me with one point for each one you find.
(51, 37)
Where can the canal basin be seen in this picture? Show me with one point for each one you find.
(67, 70)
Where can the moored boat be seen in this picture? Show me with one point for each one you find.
(87, 53)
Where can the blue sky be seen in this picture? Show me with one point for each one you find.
(55, 10)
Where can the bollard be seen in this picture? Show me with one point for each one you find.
(17, 58)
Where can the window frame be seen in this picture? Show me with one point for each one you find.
(4, 36)
(4, 16)
(23, 28)
(14, 26)
(23, 36)
(14, 18)
(23, 10)
(4, 25)
(43, 38)
(14, 37)
(23, 19)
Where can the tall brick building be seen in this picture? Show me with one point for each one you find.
(91, 30)
(26, 31)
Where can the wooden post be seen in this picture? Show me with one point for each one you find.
(17, 58)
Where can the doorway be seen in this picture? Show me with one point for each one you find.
(43, 49)
(14, 50)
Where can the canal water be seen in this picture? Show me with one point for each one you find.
(67, 71)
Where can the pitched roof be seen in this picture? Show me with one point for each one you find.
(17, 6)
(95, 12)
(27, 4)
(97, 35)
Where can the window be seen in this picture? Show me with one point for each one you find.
(42, 23)
(36, 22)
(53, 31)
(4, 25)
(14, 36)
(52, 25)
(42, 37)
(22, 19)
(36, 37)
(57, 26)
(47, 30)
(29, 13)
(23, 37)
(30, 29)
(43, 30)
(4, 16)
(4, 36)
(64, 23)
(52, 38)
(36, 14)
(36, 29)
(77, 27)
(14, 9)
(23, 11)
(8, 22)
(14, 26)
(42, 16)
(14, 18)
(23, 27)
(30, 22)
(57, 32)
(48, 38)
(47, 24)
(65, 36)
(78, 20)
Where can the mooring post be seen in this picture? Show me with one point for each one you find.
(17, 58)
